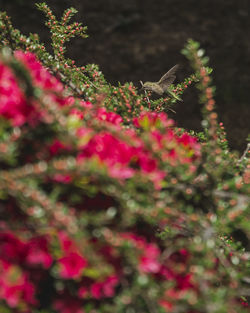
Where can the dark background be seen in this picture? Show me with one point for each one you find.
(134, 40)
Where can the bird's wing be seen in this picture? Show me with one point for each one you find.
(168, 78)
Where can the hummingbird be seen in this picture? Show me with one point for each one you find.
(163, 84)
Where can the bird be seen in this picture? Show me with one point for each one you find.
(163, 84)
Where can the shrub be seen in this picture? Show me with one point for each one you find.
(106, 205)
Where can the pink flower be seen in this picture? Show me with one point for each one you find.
(108, 149)
(184, 281)
(69, 101)
(78, 113)
(96, 290)
(57, 146)
(121, 172)
(138, 241)
(105, 288)
(109, 117)
(191, 145)
(15, 288)
(182, 256)
(168, 306)
(84, 134)
(187, 140)
(38, 252)
(43, 79)
(13, 105)
(82, 292)
(62, 178)
(149, 260)
(146, 162)
(40, 75)
(66, 243)
(71, 265)
(109, 286)
(153, 120)
(12, 249)
(86, 104)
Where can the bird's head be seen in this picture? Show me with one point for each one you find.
(147, 85)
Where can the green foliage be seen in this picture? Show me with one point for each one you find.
(185, 201)
(87, 81)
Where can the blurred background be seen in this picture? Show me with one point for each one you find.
(133, 40)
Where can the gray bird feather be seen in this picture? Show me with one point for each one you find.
(163, 84)
(168, 78)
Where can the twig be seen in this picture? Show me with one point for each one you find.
(70, 84)
(7, 24)
(242, 199)
(66, 81)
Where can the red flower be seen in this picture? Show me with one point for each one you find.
(41, 77)
(168, 306)
(105, 288)
(13, 104)
(149, 261)
(66, 243)
(146, 162)
(38, 252)
(62, 178)
(57, 146)
(109, 149)
(109, 117)
(15, 288)
(112, 151)
(71, 265)
(82, 292)
(184, 281)
(152, 120)
(12, 249)
(109, 286)
(96, 290)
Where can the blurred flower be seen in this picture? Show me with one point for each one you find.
(71, 265)
(38, 252)
(110, 117)
(15, 288)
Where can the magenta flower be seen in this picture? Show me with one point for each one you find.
(57, 146)
(152, 121)
(96, 290)
(149, 262)
(105, 288)
(110, 117)
(12, 249)
(109, 286)
(41, 77)
(146, 162)
(109, 149)
(66, 243)
(13, 105)
(71, 265)
(15, 288)
(113, 152)
(38, 252)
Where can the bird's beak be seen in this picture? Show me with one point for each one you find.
(141, 85)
